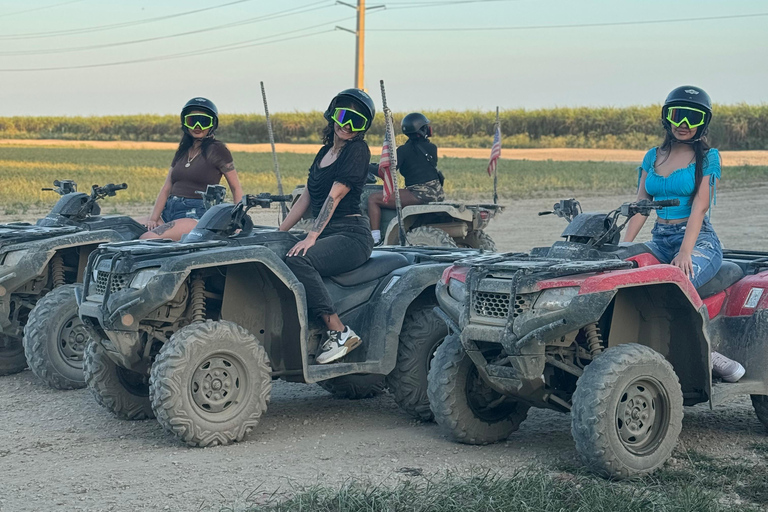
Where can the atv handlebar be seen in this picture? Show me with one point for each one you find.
(98, 192)
(644, 207)
(264, 200)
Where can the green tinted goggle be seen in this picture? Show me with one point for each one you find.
(693, 117)
(203, 121)
(346, 116)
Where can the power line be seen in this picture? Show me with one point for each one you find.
(99, 28)
(43, 8)
(578, 25)
(442, 3)
(260, 41)
(280, 14)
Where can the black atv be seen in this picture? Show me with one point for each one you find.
(194, 332)
(36, 259)
(54, 338)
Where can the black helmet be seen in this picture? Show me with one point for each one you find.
(360, 97)
(688, 96)
(204, 105)
(416, 123)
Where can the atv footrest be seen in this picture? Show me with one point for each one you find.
(318, 372)
(725, 391)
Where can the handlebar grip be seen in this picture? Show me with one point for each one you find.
(545, 213)
(281, 199)
(121, 186)
(666, 203)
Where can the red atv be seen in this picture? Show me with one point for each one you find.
(601, 330)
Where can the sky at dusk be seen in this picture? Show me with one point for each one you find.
(292, 46)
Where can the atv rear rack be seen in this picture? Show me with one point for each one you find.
(755, 259)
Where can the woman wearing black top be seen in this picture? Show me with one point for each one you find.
(417, 162)
(340, 239)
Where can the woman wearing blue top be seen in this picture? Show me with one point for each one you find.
(684, 167)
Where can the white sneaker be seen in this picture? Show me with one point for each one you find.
(725, 368)
(338, 345)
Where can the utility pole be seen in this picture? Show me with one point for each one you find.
(360, 39)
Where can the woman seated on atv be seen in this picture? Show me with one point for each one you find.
(417, 162)
(340, 238)
(200, 160)
(684, 167)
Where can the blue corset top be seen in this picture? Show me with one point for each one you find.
(679, 184)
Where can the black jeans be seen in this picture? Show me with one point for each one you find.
(344, 245)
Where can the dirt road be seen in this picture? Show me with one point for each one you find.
(557, 154)
(61, 451)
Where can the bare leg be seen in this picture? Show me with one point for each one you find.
(376, 203)
(173, 230)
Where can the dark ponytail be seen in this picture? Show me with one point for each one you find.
(700, 151)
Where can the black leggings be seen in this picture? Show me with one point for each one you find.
(344, 245)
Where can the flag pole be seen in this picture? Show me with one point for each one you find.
(496, 167)
(275, 165)
(390, 133)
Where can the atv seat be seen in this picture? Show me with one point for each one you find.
(379, 265)
(728, 274)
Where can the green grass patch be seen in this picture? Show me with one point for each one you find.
(24, 171)
(527, 490)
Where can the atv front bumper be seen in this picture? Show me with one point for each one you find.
(114, 318)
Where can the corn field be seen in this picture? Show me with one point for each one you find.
(734, 127)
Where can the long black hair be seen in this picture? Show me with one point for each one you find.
(700, 150)
(187, 141)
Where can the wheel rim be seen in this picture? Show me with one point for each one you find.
(135, 383)
(73, 337)
(217, 385)
(642, 415)
(486, 403)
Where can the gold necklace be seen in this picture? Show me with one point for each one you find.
(189, 160)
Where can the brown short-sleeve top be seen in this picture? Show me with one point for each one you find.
(204, 170)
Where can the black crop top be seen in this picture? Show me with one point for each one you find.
(413, 164)
(350, 169)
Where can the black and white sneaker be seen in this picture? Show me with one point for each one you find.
(338, 345)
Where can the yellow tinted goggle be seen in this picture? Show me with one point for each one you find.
(693, 117)
(204, 121)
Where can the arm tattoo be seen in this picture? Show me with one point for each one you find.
(229, 167)
(162, 228)
(324, 216)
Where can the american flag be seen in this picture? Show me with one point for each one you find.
(495, 150)
(385, 170)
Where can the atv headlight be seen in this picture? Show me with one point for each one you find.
(14, 258)
(457, 290)
(141, 279)
(553, 299)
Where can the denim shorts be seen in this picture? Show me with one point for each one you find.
(182, 208)
(707, 255)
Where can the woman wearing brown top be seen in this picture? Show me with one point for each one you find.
(201, 160)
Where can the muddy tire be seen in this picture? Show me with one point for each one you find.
(211, 383)
(480, 240)
(760, 403)
(12, 359)
(429, 237)
(627, 412)
(354, 387)
(55, 339)
(466, 409)
(422, 332)
(123, 392)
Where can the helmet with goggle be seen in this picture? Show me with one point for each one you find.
(200, 113)
(353, 108)
(690, 105)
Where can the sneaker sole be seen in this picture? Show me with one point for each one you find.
(348, 347)
(735, 376)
